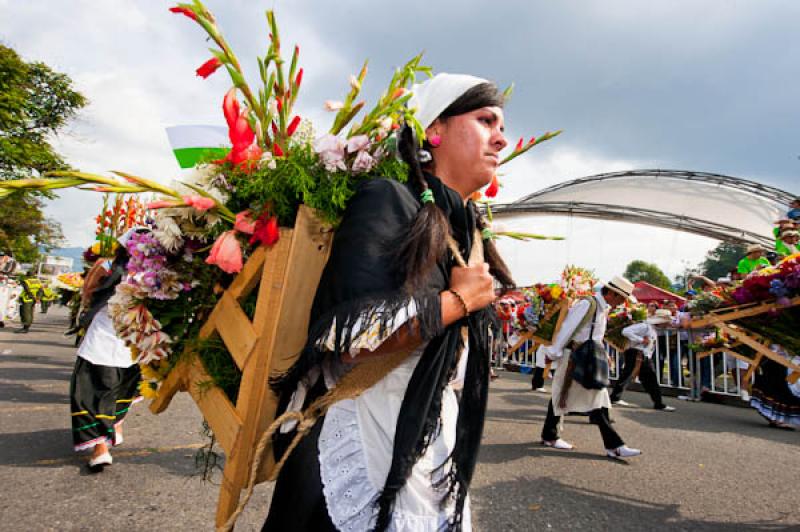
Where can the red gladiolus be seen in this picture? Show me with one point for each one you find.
(276, 150)
(293, 126)
(532, 141)
(241, 135)
(519, 144)
(226, 253)
(266, 230)
(494, 187)
(299, 79)
(185, 11)
(280, 104)
(209, 67)
(274, 128)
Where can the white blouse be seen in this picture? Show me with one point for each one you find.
(356, 444)
(101, 346)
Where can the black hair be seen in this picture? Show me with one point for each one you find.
(426, 242)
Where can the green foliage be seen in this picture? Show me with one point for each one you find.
(24, 229)
(721, 260)
(35, 102)
(298, 178)
(639, 270)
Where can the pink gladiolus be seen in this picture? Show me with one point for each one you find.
(226, 253)
(333, 105)
(185, 11)
(245, 223)
(199, 203)
(162, 204)
(209, 67)
(519, 144)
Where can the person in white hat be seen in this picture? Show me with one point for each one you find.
(754, 259)
(569, 396)
(642, 338)
(786, 243)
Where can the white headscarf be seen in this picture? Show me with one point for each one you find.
(435, 95)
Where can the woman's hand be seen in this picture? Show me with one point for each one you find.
(474, 284)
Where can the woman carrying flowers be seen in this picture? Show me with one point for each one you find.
(105, 379)
(400, 455)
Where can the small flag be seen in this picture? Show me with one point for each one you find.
(192, 144)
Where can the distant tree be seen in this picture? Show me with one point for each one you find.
(721, 260)
(639, 270)
(35, 103)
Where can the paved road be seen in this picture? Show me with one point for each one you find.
(706, 467)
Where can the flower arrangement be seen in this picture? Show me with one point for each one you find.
(205, 225)
(72, 281)
(114, 219)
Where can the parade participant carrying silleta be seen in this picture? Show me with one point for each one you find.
(105, 379)
(586, 321)
(401, 455)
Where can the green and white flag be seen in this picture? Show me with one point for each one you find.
(194, 143)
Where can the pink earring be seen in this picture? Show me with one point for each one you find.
(435, 141)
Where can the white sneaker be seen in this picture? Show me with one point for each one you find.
(745, 396)
(623, 451)
(622, 403)
(542, 389)
(666, 408)
(97, 464)
(558, 444)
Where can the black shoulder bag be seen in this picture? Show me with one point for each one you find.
(590, 359)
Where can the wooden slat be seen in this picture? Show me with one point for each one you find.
(737, 313)
(524, 337)
(175, 382)
(749, 341)
(254, 379)
(235, 329)
(250, 275)
(310, 250)
(215, 406)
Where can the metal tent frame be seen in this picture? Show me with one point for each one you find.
(531, 204)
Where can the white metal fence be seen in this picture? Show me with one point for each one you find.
(675, 364)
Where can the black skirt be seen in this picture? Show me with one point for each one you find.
(771, 394)
(100, 398)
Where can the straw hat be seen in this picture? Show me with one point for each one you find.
(661, 315)
(790, 233)
(752, 248)
(621, 286)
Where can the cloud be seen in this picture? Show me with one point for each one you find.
(677, 84)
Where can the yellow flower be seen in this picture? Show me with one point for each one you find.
(148, 389)
(96, 248)
(555, 292)
(150, 373)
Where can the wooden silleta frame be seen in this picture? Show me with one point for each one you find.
(287, 275)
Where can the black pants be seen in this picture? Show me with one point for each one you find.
(537, 381)
(647, 376)
(599, 416)
(298, 503)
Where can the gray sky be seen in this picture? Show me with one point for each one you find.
(692, 85)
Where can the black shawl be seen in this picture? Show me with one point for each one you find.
(363, 278)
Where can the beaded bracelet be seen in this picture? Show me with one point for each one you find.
(460, 300)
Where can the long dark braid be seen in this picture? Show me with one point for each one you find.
(426, 241)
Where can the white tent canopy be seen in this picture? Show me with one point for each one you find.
(716, 206)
